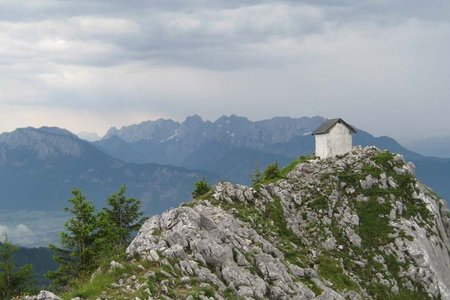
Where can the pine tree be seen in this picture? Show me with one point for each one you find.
(78, 254)
(13, 280)
(90, 238)
(121, 218)
(201, 188)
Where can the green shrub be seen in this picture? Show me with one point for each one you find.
(330, 269)
(293, 164)
(374, 228)
(272, 172)
(91, 289)
(383, 158)
(319, 203)
(201, 188)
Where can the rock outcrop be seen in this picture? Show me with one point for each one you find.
(43, 295)
(358, 226)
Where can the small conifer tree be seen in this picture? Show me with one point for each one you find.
(122, 217)
(78, 253)
(201, 188)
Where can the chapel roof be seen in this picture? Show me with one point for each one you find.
(328, 124)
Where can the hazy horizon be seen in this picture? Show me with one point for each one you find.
(94, 135)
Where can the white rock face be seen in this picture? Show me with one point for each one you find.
(217, 239)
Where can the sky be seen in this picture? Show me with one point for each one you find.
(87, 65)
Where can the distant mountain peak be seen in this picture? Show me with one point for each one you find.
(40, 131)
(233, 119)
(43, 142)
(55, 131)
(233, 129)
(157, 130)
(194, 119)
(89, 136)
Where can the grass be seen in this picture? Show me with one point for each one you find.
(311, 285)
(196, 292)
(383, 159)
(157, 232)
(92, 289)
(350, 177)
(372, 170)
(271, 224)
(374, 227)
(288, 240)
(383, 164)
(392, 264)
(229, 294)
(375, 191)
(405, 294)
(330, 269)
(87, 289)
(273, 173)
(381, 292)
(414, 208)
(290, 167)
(319, 203)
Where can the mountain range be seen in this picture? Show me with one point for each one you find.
(39, 167)
(234, 147)
(160, 160)
(231, 147)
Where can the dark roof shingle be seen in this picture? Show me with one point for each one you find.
(328, 124)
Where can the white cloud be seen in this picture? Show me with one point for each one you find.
(17, 234)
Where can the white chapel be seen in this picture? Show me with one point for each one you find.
(333, 137)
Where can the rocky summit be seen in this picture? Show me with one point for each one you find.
(359, 226)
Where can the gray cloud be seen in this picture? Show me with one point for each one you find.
(115, 62)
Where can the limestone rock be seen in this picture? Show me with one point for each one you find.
(43, 295)
(115, 265)
(279, 241)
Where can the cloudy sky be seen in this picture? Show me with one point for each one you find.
(87, 65)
